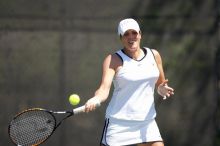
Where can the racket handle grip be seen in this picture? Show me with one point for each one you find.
(79, 109)
(82, 109)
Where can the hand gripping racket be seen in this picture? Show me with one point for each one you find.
(33, 126)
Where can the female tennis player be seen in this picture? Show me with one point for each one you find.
(135, 72)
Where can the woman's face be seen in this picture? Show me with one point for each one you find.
(131, 40)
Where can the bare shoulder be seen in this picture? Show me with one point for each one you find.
(156, 53)
(113, 58)
(157, 56)
(113, 61)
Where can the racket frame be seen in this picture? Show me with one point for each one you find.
(52, 113)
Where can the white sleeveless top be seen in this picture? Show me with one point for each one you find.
(134, 83)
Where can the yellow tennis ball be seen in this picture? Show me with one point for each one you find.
(74, 99)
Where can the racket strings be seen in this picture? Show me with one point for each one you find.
(32, 127)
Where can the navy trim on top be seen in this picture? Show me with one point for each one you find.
(145, 54)
(120, 57)
(153, 55)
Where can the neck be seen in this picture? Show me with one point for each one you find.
(136, 55)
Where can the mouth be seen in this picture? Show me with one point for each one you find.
(131, 42)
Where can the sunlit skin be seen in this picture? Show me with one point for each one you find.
(131, 42)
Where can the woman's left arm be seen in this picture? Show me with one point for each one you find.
(162, 84)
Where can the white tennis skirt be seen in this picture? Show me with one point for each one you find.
(122, 132)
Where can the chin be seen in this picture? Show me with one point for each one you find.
(132, 49)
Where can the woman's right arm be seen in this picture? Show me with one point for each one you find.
(101, 94)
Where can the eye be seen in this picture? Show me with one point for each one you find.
(126, 34)
(130, 33)
(134, 33)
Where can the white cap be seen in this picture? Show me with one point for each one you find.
(127, 24)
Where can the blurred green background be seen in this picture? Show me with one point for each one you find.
(50, 49)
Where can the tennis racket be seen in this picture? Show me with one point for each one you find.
(34, 126)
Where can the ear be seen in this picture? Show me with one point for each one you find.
(140, 34)
(120, 36)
